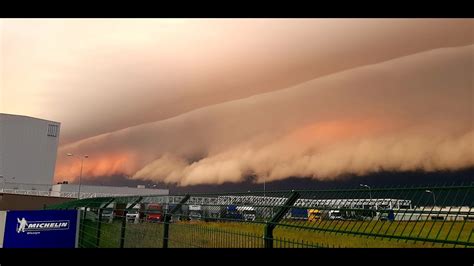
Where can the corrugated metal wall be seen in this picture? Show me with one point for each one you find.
(26, 151)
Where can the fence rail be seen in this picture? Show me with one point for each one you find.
(379, 217)
(61, 194)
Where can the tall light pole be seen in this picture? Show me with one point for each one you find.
(370, 194)
(366, 186)
(80, 176)
(434, 198)
(264, 195)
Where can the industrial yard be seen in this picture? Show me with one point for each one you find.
(303, 219)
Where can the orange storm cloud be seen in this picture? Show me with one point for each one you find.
(68, 168)
(208, 101)
(335, 131)
(409, 113)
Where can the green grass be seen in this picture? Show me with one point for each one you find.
(290, 234)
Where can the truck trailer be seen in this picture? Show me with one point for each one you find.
(299, 213)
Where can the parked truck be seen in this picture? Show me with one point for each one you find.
(335, 215)
(211, 212)
(195, 212)
(299, 213)
(152, 212)
(314, 215)
(177, 215)
(231, 213)
(108, 213)
(133, 215)
(248, 212)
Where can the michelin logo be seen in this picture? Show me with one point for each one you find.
(24, 226)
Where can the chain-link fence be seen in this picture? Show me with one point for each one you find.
(363, 217)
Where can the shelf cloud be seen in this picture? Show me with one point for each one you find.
(408, 113)
(97, 76)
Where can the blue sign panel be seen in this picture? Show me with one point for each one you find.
(40, 229)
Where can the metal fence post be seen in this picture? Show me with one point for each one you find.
(268, 230)
(167, 219)
(82, 226)
(124, 222)
(99, 221)
(123, 228)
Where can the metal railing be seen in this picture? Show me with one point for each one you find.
(388, 217)
(62, 194)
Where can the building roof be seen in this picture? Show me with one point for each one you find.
(28, 117)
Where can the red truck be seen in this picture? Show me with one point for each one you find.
(154, 213)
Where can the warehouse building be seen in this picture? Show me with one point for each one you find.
(28, 151)
(28, 148)
(88, 191)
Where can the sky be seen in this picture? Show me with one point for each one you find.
(210, 101)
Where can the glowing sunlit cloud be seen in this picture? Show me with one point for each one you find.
(410, 113)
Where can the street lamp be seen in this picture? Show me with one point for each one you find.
(431, 192)
(80, 176)
(370, 194)
(264, 194)
(366, 186)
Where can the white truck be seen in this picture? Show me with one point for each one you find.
(335, 215)
(195, 212)
(108, 213)
(133, 214)
(248, 212)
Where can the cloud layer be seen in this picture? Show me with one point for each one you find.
(97, 76)
(413, 112)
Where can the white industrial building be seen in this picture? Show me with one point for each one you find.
(88, 191)
(28, 151)
(28, 148)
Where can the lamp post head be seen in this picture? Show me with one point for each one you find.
(428, 191)
(70, 154)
